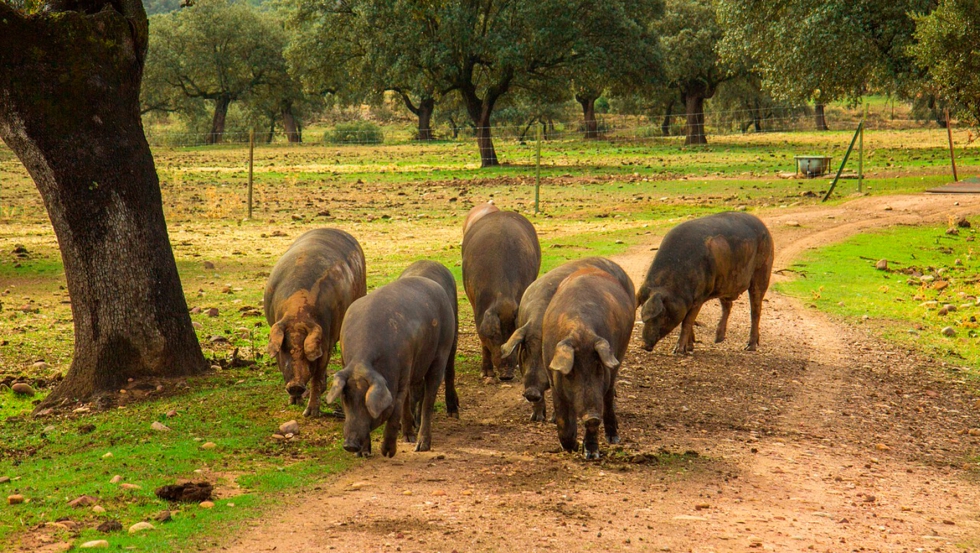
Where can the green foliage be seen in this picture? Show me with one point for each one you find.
(904, 302)
(823, 50)
(356, 132)
(946, 48)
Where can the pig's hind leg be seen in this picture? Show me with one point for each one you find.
(726, 310)
(757, 291)
(432, 381)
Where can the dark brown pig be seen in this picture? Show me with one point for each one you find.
(477, 213)
(439, 273)
(501, 257)
(308, 292)
(584, 336)
(397, 338)
(527, 338)
(718, 256)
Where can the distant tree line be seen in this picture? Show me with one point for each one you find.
(471, 64)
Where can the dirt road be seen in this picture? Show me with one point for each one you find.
(824, 440)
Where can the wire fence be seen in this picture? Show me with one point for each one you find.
(614, 127)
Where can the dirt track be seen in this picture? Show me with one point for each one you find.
(826, 439)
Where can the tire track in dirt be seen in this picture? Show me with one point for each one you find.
(826, 439)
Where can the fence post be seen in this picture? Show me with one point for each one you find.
(537, 173)
(952, 156)
(861, 151)
(251, 155)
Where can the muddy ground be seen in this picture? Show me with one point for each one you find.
(826, 439)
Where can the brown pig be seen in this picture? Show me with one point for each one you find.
(584, 336)
(441, 275)
(396, 339)
(718, 256)
(477, 213)
(308, 293)
(527, 338)
(501, 257)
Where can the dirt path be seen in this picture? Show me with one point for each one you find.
(825, 440)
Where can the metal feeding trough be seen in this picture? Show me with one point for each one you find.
(812, 166)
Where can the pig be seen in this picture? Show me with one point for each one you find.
(527, 338)
(501, 258)
(395, 339)
(306, 297)
(477, 213)
(584, 335)
(439, 273)
(718, 256)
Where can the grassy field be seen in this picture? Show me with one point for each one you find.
(402, 202)
(930, 285)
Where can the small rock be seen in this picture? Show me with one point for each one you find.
(359, 485)
(278, 437)
(107, 455)
(973, 432)
(160, 427)
(116, 479)
(289, 427)
(929, 304)
(213, 312)
(869, 499)
(208, 266)
(110, 526)
(4, 479)
(882, 265)
(163, 516)
(962, 222)
(952, 231)
(439, 493)
(83, 501)
(701, 506)
(141, 527)
(949, 331)
(927, 278)
(23, 389)
(188, 492)
(206, 504)
(41, 366)
(407, 492)
(196, 325)
(171, 413)
(218, 339)
(15, 499)
(226, 289)
(209, 445)
(958, 262)
(127, 486)
(195, 310)
(888, 208)
(882, 447)
(792, 223)
(95, 544)
(98, 509)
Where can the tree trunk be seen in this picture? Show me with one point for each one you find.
(426, 107)
(588, 111)
(479, 111)
(820, 117)
(218, 122)
(293, 133)
(665, 124)
(69, 109)
(694, 104)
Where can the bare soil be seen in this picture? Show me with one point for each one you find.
(826, 439)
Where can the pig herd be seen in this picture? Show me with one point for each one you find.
(567, 331)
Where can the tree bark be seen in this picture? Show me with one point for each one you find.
(293, 133)
(665, 124)
(694, 104)
(69, 109)
(588, 110)
(426, 108)
(479, 111)
(221, 104)
(820, 117)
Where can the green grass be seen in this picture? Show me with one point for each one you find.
(53, 461)
(842, 280)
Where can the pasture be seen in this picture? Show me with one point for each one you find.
(842, 432)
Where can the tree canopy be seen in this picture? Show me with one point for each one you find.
(946, 48)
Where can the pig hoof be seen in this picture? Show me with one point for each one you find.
(312, 413)
(337, 414)
(750, 347)
(507, 377)
(410, 439)
(453, 415)
(592, 455)
(537, 417)
(613, 439)
(719, 339)
(422, 446)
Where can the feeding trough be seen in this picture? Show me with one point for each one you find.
(812, 166)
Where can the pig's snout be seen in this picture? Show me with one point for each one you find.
(532, 394)
(295, 389)
(352, 446)
(647, 346)
(591, 420)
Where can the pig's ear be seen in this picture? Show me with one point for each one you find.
(490, 326)
(654, 307)
(378, 397)
(339, 381)
(275, 339)
(564, 358)
(604, 350)
(313, 345)
(516, 339)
